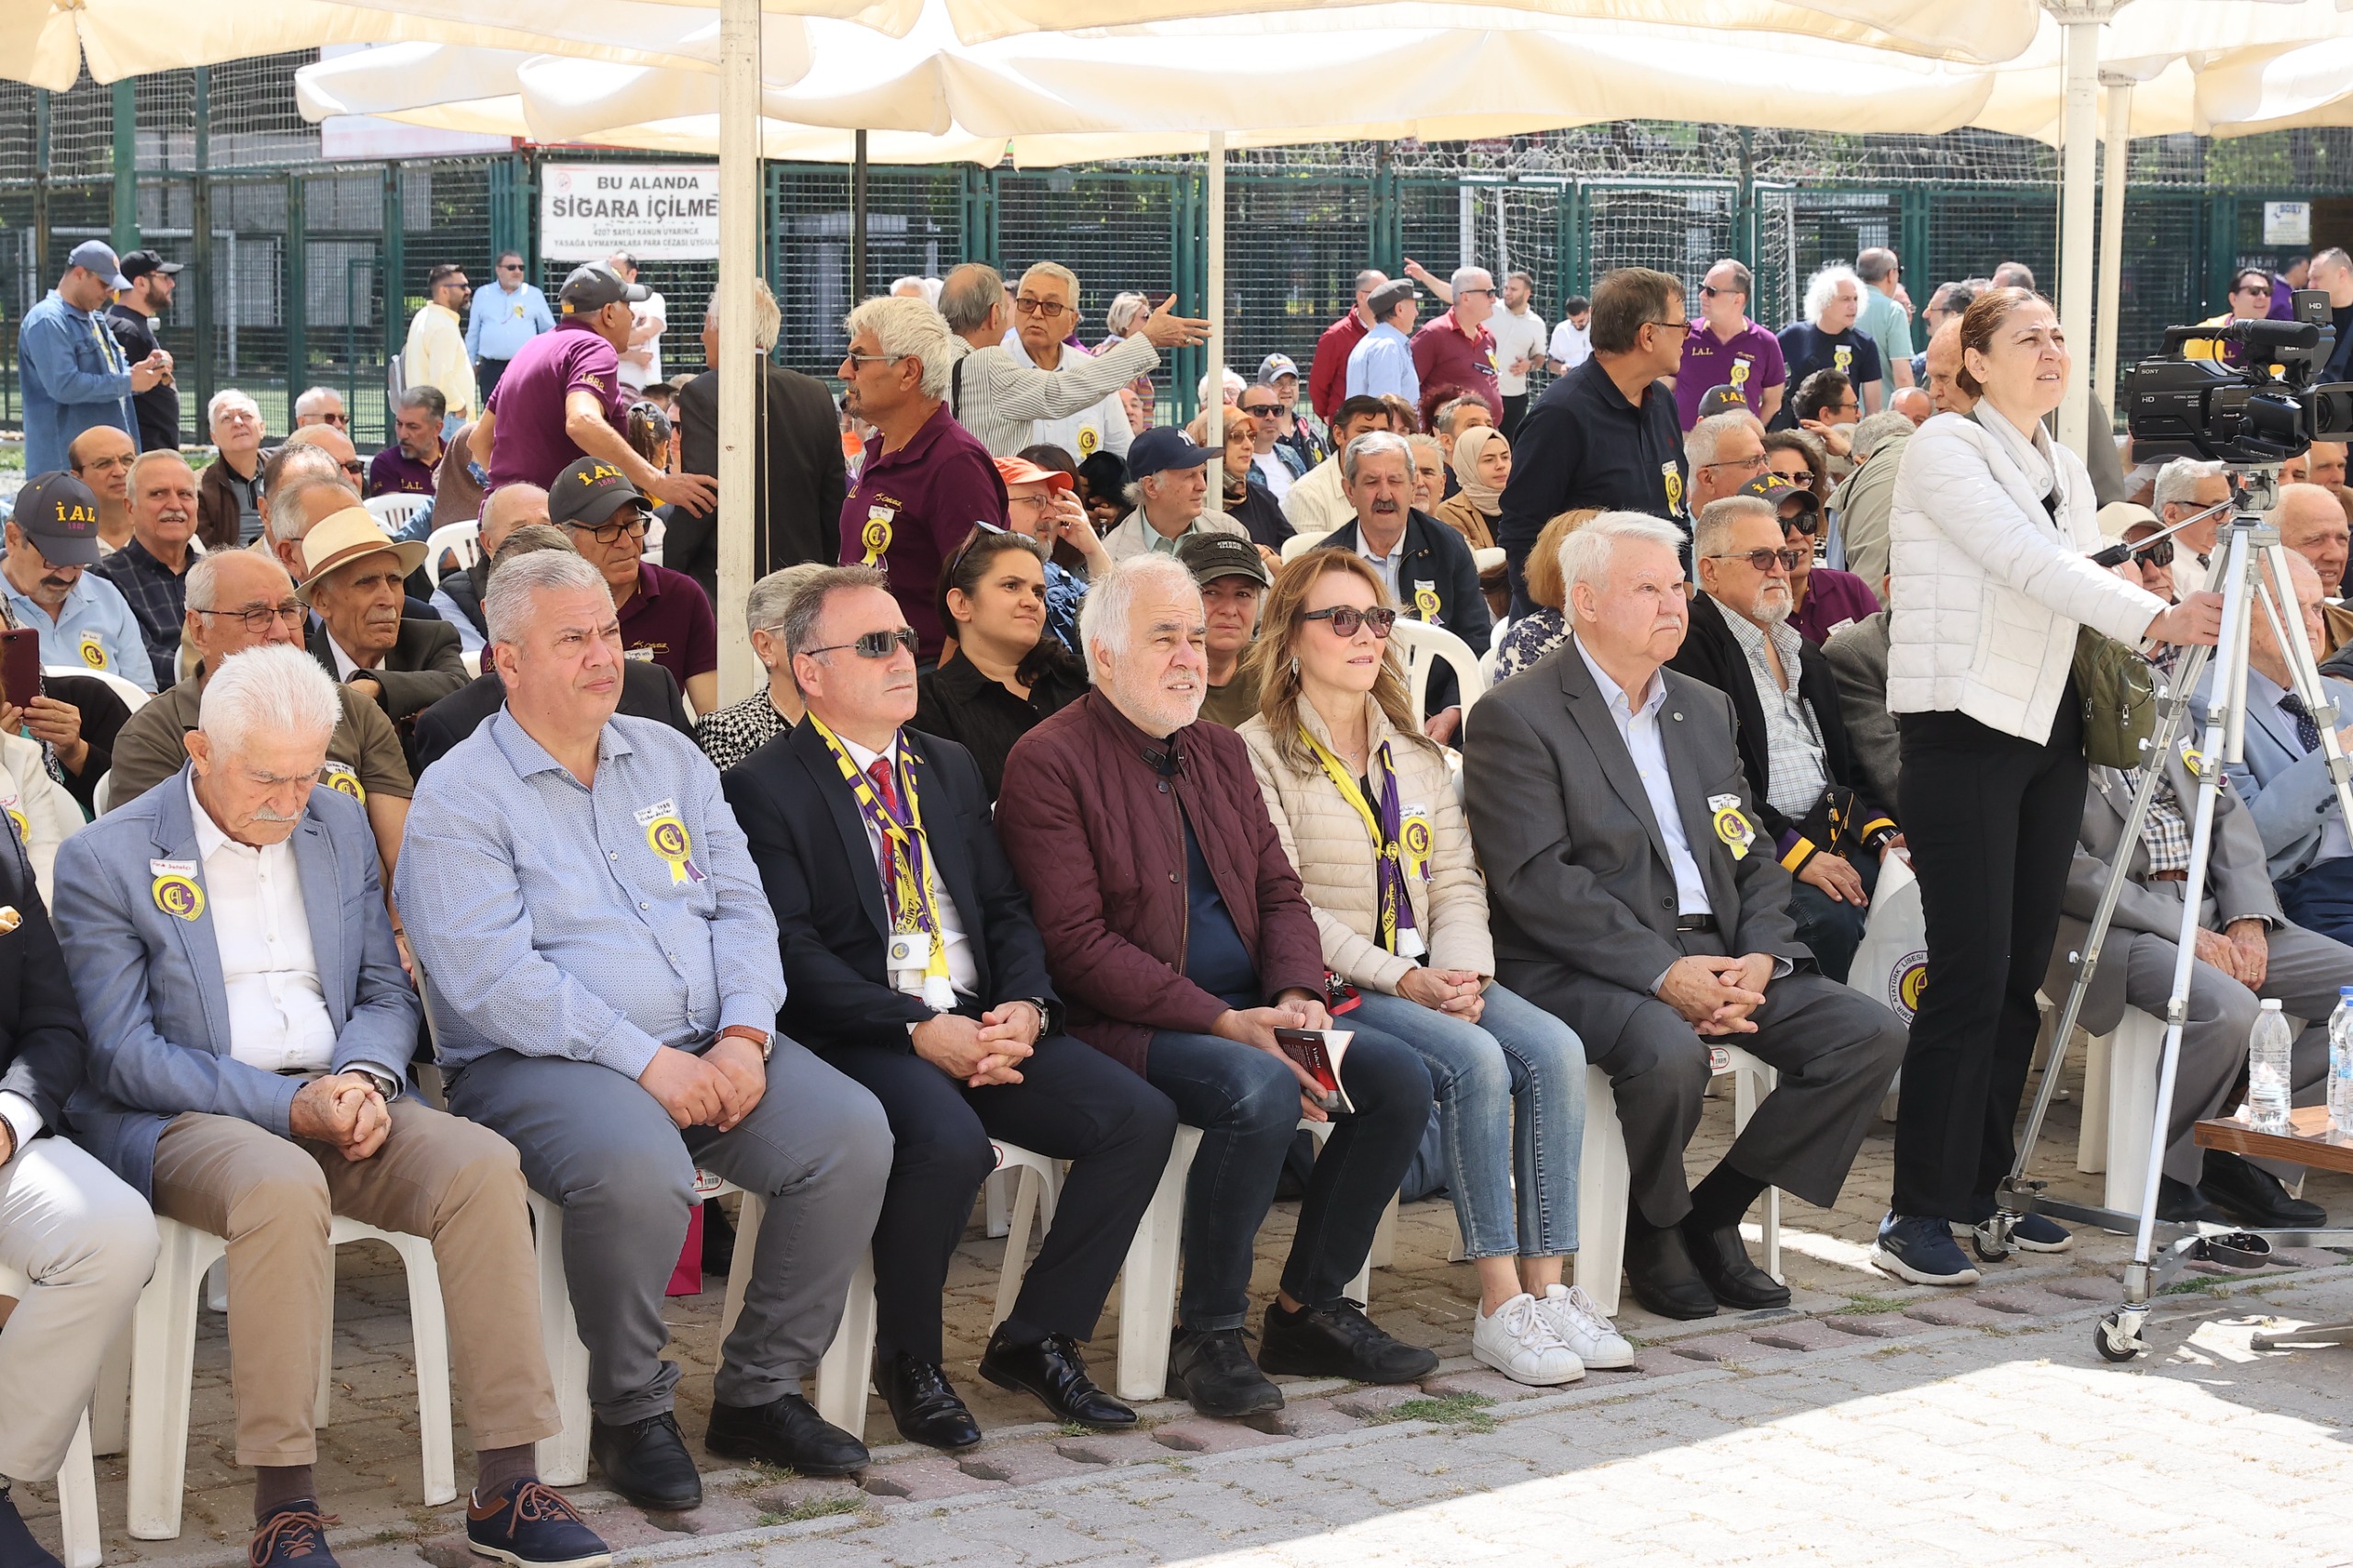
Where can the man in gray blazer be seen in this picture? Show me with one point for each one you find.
(1858, 656)
(250, 1030)
(2246, 951)
(1634, 896)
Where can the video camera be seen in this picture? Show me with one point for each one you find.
(2242, 414)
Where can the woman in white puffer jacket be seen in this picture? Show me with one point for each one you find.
(1991, 530)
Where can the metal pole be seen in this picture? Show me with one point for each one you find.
(2111, 236)
(858, 188)
(2080, 23)
(126, 164)
(202, 284)
(739, 367)
(1214, 405)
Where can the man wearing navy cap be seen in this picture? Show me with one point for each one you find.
(665, 616)
(132, 319)
(74, 373)
(84, 621)
(1168, 485)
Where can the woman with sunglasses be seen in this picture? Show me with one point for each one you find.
(1241, 497)
(1367, 811)
(1004, 673)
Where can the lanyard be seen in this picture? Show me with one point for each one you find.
(914, 911)
(1390, 850)
(109, 349)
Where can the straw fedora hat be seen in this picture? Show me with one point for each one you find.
(340, 538)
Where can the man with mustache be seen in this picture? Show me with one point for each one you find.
(83, 622)
(152, 569)
(1826, 830)
(352, 576)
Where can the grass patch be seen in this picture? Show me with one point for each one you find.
(2194, 1287)
(808, 1509)
(1464, 1410)
(1074, 1429)
(1863, 1303)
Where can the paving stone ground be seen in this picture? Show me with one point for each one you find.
(1874, 1423)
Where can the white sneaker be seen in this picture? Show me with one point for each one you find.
(1581, 1326)
(1518, 1342)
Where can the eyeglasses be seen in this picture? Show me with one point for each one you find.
(1030, 307)
(611, 533)
(1763, 559)
(1460, 294)
(856, 359)
(353, 465)
(2157, 554)
(874, 644)
(340, 421)
(510, 267)
(1672, 325)
(1347, 618)
(1741, 465)
(103, 465)
(259, 617)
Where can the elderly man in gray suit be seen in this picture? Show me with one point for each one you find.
(2246, 951)
(1634, 896)
(250, 1030)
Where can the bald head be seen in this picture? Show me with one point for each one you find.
(509, 508)
(2313, 525)
(2263, 648)
(328, 439)
(1944, 369)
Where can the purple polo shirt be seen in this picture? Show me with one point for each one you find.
(393, 473)
(669, 621)
(1444, 358)
(928, 493)
(1751, 361)
(528, 442)
(1832, 599)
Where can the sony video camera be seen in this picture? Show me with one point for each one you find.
(2243, 413)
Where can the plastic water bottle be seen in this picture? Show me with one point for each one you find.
(2268, 1048)
(2340, 1064)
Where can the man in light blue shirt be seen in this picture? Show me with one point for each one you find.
(502, 320)
(604, 979)
(74, 372)
(84, 621)
(1381, 364)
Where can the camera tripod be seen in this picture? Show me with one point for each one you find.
(2254, 559)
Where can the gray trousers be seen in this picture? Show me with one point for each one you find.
(2304, 973)
(817, 1146)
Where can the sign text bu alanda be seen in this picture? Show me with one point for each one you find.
(655, 212)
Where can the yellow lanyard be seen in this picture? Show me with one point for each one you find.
(911, 884)
(1389, 876)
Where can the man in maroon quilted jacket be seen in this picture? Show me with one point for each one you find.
(1176, 930)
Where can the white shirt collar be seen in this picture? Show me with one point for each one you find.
(346, 666)
(865, 759)
(1615, 694)
(209, 837)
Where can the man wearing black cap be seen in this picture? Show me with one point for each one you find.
(560, 398)
(84, 621)
(73, 373)
(665, 616)
(1233, 581)
(132, 317)
(1168, 485)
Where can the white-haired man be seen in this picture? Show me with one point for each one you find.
(229, 499)
(2185, 488)
(250, 1030)
(1456, 350)
(605, 983)
(1651, 916)
(1045, 313)
(1723, 452)
(320, 405)
(1828, 339)
(1185, 980)
(151, 569)
(926, 479)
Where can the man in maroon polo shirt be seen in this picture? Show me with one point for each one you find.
(1727, 349)
(926, 479)
(1327, 373)
(665, 617)
(1457, 350)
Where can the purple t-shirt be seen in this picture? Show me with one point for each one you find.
(668, 620)
(920, 501)
(393, 473)
(528, 443)
(1832, 599)
(1751, 361)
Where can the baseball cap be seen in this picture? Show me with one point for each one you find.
(96, 256)
(1210, 556)
(1021, 470)
(1722, 400)
(2118, 516)
(139, 263)
(1275, 365)
(1162, 447)
(1772, 487)
(58, 513)
(589, 491)
(593, 286)
(1383, 300)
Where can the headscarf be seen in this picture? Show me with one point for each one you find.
(1467, 448)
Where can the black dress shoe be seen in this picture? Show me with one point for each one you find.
(2253, 1196)
(646, 1462)
(1338, 1341)
(925, 1408)
(786, 1432)
(1214, 1369)
(1054, 1370)
(1722, 1262)
(1662, 1277)
(2180, 1204)
(18, 1547)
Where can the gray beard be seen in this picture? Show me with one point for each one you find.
(1773, 610)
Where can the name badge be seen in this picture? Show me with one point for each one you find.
(94, 653)
(1731, 826)
(876, 535)
(339, 778)
(14, 809)
(909, 949)
(2192, 760)
(666, 835)
(1671, 479)
(1415, 835)
(642, 656)
(175, 888)
(1426, 601)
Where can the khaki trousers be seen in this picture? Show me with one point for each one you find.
(272, 1198)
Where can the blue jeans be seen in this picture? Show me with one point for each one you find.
(1516, 1058)
(1246, 1105)
(1832, 929)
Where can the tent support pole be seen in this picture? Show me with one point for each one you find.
(2080, 23)
(1214, 404)
(739, 365)
(2111, 236)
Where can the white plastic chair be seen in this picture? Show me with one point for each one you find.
(134, 697)
(1300, 544)
(472, 659)
(1148, 1278)
(395, 513)
(102, 793)
(1421, 647)
(460, 541)
(163, 1364)
(77, 1480)
(1605, 1181)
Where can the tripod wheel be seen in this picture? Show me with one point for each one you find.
(2111, 1348)
(1987, 1251)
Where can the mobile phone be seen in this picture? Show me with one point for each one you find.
(20, 665)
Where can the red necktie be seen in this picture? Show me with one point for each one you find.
(887, 791)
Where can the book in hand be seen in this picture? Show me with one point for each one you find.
(1319, 1051)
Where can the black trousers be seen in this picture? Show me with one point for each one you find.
(1073, 1103)
(1514, 410)
(1991, 821)
(486, 374)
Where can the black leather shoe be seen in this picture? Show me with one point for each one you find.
(1662, 1277)
(1054, 1370)
(2182, 1204)
(18, 1547)
(786, 1432)
(1338, 1341)
(646, 1462)
(2253, 1196)
(925, 1408)
(1734, 1281)
(1214, 1369)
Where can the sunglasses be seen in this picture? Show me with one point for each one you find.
(1709, 292)
(1763, 559)
(1347, 618)
(874, 644)
(2157, 554)
(1261, 410)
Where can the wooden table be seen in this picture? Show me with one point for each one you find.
(2306, 1145)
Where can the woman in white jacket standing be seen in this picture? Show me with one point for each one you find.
(1367, 811)
(1991, 530)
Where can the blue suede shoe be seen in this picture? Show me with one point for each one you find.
(293, 1535)
(532, 1526)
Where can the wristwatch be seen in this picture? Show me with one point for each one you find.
(761, 1038)
(385, 1086)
